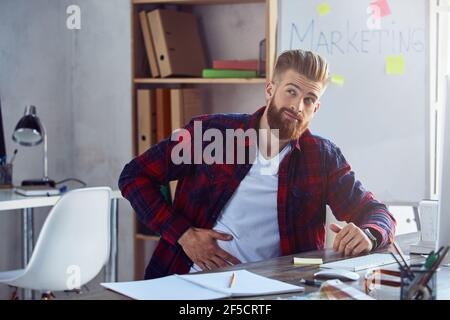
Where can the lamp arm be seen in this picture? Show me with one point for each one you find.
(44, 130)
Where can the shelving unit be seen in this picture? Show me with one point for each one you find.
(146, 237)
(141, 79)
(199, 81)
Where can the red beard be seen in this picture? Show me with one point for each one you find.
(288, 130)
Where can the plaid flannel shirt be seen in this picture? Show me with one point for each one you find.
(312, 175)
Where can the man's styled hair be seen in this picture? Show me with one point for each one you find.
(307, 63)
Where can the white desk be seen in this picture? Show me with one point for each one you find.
(9, 200)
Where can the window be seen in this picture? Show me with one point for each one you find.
(439, 68)
(406, 217)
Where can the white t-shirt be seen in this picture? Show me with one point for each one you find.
(251, 215)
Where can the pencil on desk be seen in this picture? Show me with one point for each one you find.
(232, 280)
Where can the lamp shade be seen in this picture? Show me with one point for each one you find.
(29, 130)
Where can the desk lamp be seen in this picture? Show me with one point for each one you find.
(30, 131)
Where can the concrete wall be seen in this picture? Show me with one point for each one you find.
(101, 112)
(33, 70)
(80, 81)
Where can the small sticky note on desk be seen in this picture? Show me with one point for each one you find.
(323, 9)
(307, 261)
(395, 64)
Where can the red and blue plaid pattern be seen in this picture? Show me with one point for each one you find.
(313, 174)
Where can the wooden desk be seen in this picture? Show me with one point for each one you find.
(283, 269)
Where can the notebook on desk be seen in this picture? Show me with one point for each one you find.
(203, 286)
(362, 263)
(37, 191)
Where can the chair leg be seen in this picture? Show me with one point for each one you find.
(14, 295)
(47, 296)
(84, 288)
(76, 291)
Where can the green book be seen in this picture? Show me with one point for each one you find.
(228, 73)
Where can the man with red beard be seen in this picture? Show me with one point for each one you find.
(225, 214)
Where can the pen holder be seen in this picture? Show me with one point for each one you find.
(6, 175)
(420, 287)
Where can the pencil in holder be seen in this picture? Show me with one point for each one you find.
(417, 283)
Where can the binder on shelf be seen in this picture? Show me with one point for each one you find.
(148, 43)
(192, 104)
(146, 119)
(173, 188)
(176, 108)
(184, 104)
(178, 46)
(163, 122)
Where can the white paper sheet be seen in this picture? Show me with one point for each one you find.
(246, 283)
(202, 286)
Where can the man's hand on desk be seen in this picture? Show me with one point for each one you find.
(350, 240)
(201, 247)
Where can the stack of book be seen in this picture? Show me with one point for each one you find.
(233, 69)
(173, 47)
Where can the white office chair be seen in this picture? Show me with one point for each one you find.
(73, 245)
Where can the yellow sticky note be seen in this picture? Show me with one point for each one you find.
(307, 261)
(395, 64)
(323, 9)
(337, 79)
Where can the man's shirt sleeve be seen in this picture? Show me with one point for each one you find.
(140, 183)
(350, 202)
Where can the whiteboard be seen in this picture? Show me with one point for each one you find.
(379, 120)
